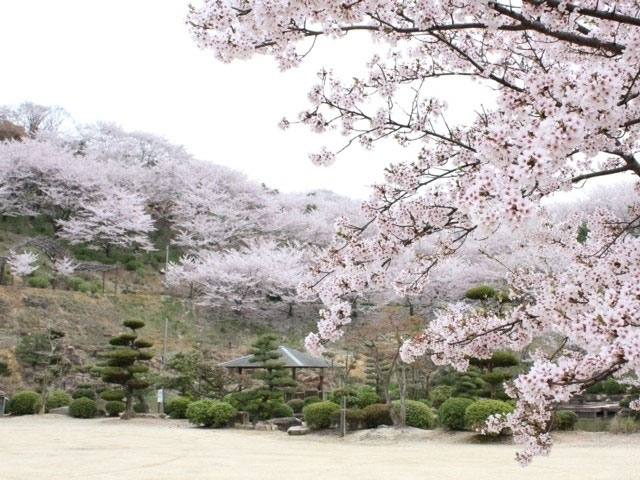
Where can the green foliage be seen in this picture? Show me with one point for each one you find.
(296, 405)
(133, 324)
(418, 414)
(281, 410)
(465, 384)
(33, 350)
(24, 403)
(57, 399)
(583, 233)
(84, 393)
(311, 399)
(452, 412)
(112, 395)
(376, 415)
(276, 379)
(625, 425)
(114, 408)
(83, 408)
(5, 371)
(349, 393)
(210, 413)
(366, 398)
(123, 364)
(38, 281)
(139, 408)
(318, 414)
(133, 265)
(564, 420)
(499, 358)
(478, 412)
(610, 386)
(353, 416)
(480, 292)
(440, 394)
(177, 407)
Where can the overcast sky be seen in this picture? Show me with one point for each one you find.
(132, 62)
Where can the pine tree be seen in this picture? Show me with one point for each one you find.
(124, 366)
(276, 379)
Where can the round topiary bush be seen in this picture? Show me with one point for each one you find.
(478, 412)
(440, 394)
(210, 413)
(296, 405)
(564, 420)
(354, 417)
(24, 403)
(480, 292)
(84, 393)
(376, 415)
(177, 407)
(366, 398)
(281, 410)
(83, 407)
(452, 411)
(114, 408)
(418, 414)
(349, 393)
(57, 399)
(318, 414)
(310, 400)
(39, 281)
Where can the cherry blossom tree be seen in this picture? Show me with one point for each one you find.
(22, 264)
(118, 219)
(565, 110)
(34, 118)
(42, 178)
(244, 278)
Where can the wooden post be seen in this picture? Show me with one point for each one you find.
(321, 382)
(343, 416)
(104, 272)
(115, 288)
(293, 373)
(2, 272)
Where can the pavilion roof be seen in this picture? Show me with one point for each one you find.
(291, 358)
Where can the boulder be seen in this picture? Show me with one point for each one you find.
(300, 430)
(284, 423)
(60, 411)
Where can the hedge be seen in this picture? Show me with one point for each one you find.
(452, 412)
(177, 407)
(210, 413)
(418, 414)
(376, 415)
(318, 414)
(24, 403)
(83, 408)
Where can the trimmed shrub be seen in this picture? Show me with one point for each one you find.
(237, 400)
(39, 281)
(452, 412)
(310, 400)
(177, 407)
(296, 405)
(418, 414)
(24, 403)
(139, 408)
(83, 407)
(57, 399)
(112, 395)
(210, 413)
(84, 393)
(281, 410)
(366, 398)
(350, 393)
(478, 412)
(354, 417)
(564, 420)
(114, 408)
(376, 415)
(440, 394)
(318, 414)
(610, 386)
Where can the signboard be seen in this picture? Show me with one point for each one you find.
(160, 395)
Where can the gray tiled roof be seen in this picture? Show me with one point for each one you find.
(292, 359)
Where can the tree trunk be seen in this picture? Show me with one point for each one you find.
(128, 411)
(44, 390)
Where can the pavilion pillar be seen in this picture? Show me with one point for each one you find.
(321, 382)
(293, 373)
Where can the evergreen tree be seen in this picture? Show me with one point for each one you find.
(124, 365)
(276, 379)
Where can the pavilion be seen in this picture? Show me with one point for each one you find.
(291, 358)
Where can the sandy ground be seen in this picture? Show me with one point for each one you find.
(59, 448)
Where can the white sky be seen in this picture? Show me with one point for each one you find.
(132, 62)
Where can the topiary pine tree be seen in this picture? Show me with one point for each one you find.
(277, 380)
(124, 365)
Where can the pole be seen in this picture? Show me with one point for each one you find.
(164, 365)
(343, 416)
(166, 268)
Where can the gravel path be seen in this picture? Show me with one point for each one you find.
(60, 448)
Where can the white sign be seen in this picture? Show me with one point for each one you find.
(160, 396)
